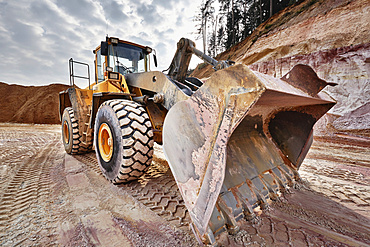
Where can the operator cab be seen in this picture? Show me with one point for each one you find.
(120, 56)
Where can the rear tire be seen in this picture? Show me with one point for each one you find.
(71, 135)
(123, 140)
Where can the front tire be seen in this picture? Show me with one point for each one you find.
(123, 140)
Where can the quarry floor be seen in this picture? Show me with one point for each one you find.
(49, 198)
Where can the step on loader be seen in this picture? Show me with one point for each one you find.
(233, 142)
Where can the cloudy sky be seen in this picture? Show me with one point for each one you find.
(37, 37)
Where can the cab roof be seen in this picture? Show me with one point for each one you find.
(108, 39)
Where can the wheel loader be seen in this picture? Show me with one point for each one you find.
(233, 142)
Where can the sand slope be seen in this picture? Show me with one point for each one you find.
(21, 104)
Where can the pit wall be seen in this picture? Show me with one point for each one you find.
(348, 66)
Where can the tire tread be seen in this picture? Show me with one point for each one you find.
(77, 146)
(137, 134)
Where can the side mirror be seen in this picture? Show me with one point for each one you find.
(155, 60)
(104, 48)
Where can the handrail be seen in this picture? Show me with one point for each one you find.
(71, 72)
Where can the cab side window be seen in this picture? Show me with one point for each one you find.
(100, 62)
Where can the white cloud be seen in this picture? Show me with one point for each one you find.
(38, 37)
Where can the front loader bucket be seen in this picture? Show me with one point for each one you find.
(239, 140)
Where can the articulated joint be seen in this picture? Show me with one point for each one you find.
(223, 64)
(157, 98)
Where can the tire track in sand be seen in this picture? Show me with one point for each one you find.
(25, 200)
(156, 189)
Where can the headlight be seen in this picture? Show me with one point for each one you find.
(113, 75)
(114, 41)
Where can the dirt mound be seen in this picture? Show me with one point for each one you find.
(21, 104)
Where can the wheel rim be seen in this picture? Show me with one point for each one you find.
(105, 141)
(65, 132)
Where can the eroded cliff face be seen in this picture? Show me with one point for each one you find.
(332, 36)
(325, 25)
(349, 67)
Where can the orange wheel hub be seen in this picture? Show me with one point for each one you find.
(65, 132)
(105, 141)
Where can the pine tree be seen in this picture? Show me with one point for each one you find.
(204, 17)
(235, 21)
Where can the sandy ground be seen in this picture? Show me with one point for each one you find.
(50, 198)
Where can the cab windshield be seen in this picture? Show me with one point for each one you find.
(125, 58)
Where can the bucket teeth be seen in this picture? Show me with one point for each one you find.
(209, 239)
(272, 193)
(227, 212)
(283, 169)
(277, 176)
(253, 184)
(247, 209)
